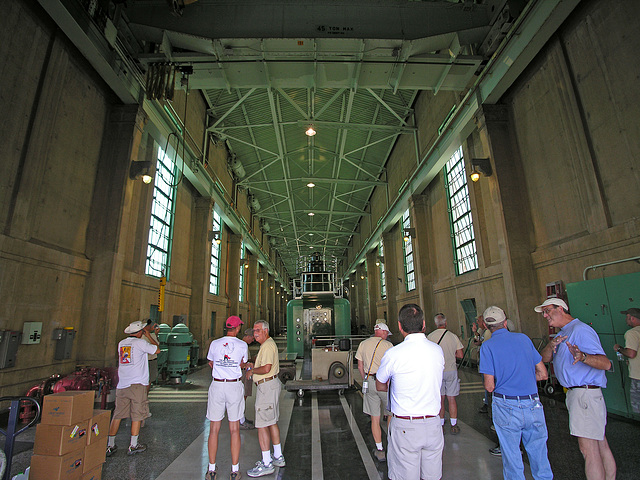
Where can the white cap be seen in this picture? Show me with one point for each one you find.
(552, 301)
(494, 315)
(382, 326)
(135, 327)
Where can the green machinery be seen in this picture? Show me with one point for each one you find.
(598, 303)
(179, 342)
(318, 308)
(163, 356)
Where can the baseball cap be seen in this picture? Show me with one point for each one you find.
(552, 301)
(494, 315)
(135, 327)
(233, 321)
(382, 326)
(634, 312)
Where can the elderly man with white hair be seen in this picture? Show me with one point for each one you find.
(452, 348)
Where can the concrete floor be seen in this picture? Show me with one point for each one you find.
(326, 435)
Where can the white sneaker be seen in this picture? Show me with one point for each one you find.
(261, 469)
(278, 462)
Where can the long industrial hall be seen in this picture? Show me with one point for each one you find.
(314, 177)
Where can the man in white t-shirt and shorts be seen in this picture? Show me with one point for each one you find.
(227, 355)
(133, 379)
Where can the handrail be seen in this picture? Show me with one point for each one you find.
(11, 433)
(593, 267)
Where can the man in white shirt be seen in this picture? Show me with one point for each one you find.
(133, 379)
(452, 348)
(412, 373)
(369, 355)
(227, 356)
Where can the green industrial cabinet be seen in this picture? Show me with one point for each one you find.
(598, 303)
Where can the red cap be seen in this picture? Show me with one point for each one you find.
(233, 321)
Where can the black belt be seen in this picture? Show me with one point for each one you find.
(226, 380)
(419, 417)
(533, 396)
(589, 387)
(372, 375)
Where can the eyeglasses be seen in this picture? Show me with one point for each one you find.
(545, 311)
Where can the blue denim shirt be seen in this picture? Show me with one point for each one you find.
(587, 340)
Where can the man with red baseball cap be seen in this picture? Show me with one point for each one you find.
(227, 356)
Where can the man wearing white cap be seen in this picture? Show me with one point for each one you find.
(369, 354)
(580, 364)
(133, 379)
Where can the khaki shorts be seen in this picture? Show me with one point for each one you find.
(450, 384)
(225, 396)
(414, 449)
(373, 400)
(267, 403)
(131, 402)
(587, 413)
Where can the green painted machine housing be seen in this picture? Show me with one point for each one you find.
(296, 335)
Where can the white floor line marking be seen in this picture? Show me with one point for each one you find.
(372, 471)
(316, 447)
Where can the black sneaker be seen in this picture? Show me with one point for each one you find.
(137, 449)
(484, 408)
(111, 450)
(495, 451)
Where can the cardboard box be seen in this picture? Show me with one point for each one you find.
(95, 454)
(98, 426)
(49, 467)
(95, 474)
(67, 408)
(60, 439)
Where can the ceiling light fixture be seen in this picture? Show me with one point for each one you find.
(311, 184)
(311, 214)
(480, 166)
(310, 132)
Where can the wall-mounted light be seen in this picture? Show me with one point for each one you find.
(214, 236)
(141, 170)
(480, 166)
(409, 233)
(310, 131)
(363, 276)
(311, 184)
(379, 260)
(311, 214)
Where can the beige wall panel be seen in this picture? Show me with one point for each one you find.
(401, 164)
(549, 154)
(71, 165)
(602, 52)
(195, 113)
(441, 249)
(182, 231)
(430, 111)
(23, 48)
(137, 295)
(217, 167)
(378, 203)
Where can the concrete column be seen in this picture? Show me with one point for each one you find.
(373, 283)
(200, 267)
(233, 273)
(419, 211)
(270, 300)
(251, 276)
(108, 236)
(263, 286)
(393, 272)
(512, 210)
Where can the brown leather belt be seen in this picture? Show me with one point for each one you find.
(265, 380)
(590, 387)
(226, 380)
(421, 417)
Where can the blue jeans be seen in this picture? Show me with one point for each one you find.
(517, 420)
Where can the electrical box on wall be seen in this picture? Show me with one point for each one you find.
(31, 333)
(64, 342)
(9, 342)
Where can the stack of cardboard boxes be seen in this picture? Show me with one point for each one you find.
(71, 440)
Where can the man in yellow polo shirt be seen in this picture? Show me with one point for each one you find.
(265, 376)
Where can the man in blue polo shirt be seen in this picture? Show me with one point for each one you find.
(580, 363)
(511, 365)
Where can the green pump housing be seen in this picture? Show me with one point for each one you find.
(179, 342)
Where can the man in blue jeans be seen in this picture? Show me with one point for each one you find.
(511, 365)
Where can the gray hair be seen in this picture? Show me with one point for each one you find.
(440, 320)
(264, 323)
